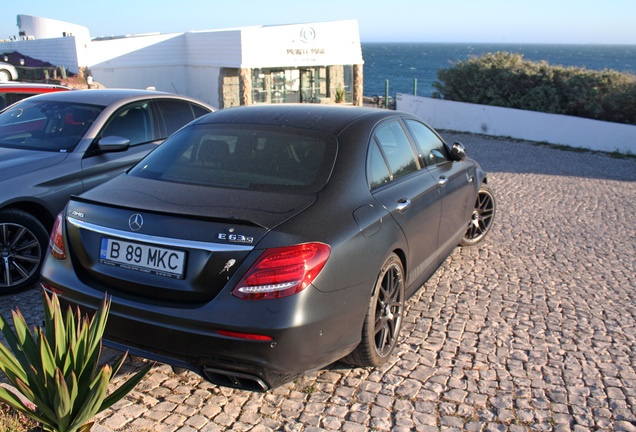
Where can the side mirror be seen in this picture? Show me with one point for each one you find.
(113, 144)
(458, 151)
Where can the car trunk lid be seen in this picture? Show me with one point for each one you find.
(166, 246)
(262, 208)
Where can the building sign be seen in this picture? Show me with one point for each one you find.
(328, 43)
(307, 36)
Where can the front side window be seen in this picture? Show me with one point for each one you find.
(431, 147)
(243, 157)
(396, 148)
(37, 124)
(132, 122)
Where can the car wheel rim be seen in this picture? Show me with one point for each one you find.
(388, 311)
(481, 218)
(20, 254)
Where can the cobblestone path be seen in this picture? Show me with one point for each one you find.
(534, 329)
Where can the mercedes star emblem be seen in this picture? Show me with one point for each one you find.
(135, 222)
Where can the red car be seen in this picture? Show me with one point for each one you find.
(12, 92)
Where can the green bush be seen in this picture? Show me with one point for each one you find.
(57, 367)
(507, 80)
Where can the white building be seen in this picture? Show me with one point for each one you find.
(229, 67)
(32, 27)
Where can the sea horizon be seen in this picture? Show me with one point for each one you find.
(402, 62)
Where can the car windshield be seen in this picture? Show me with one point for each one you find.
(36, 124)
(243, 157)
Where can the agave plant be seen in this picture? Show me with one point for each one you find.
(56, 367)
(340, 95)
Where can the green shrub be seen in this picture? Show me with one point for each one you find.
(507, 80)
(56, 368)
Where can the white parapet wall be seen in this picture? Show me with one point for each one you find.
(520, 124)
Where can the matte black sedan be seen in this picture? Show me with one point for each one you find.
(261, 242)
(64, 143)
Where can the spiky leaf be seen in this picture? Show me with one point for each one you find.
(62, 403)
(16, 403)
(10, 365)
(56, 368)
(125, 388)
(28, 344)
(12, 340)
(93, 402)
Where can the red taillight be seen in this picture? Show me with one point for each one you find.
(56, 243)
(247, 336)
(280, 272)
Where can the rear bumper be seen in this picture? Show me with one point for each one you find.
(302, 332)
(257, 380)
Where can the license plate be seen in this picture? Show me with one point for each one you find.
(142, 257)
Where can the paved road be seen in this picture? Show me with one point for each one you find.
(535, 329)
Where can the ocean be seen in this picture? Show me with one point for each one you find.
(400, 63)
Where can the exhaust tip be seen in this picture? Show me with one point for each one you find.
(235, 380)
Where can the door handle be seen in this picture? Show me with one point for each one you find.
(403, 204)
(442, 180)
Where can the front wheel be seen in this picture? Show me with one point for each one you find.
(23, 243)
(383, 321)
(482, 218)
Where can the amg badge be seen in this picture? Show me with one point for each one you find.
(235, 238)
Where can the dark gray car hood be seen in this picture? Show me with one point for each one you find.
(266, 209)
(15, 162)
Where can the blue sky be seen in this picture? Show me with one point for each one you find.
(518, 21)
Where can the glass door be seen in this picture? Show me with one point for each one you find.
(313, 84)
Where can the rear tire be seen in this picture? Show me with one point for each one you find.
(383, 321)
(482, 217)
(23, 244)
(5, 75)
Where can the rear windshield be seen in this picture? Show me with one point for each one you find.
(243, 157)
(36, 124)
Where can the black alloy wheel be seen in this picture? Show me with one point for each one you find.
(23, 242)
(383, 321)
(482, 217)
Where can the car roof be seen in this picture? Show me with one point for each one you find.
(106, 97)
(324, 118)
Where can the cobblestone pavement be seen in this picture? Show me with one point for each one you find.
(534, 329)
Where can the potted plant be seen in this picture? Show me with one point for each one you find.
(340, 95)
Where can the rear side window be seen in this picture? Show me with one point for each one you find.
(243, 157)
(132, 122)
(377, 171)
(199, 110)
(178, 113)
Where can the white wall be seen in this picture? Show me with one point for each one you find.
(527, 125)
(203, 83)
(158, 49)
(140, 62)
(64, 51)
(167, 78)
(220, 48)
